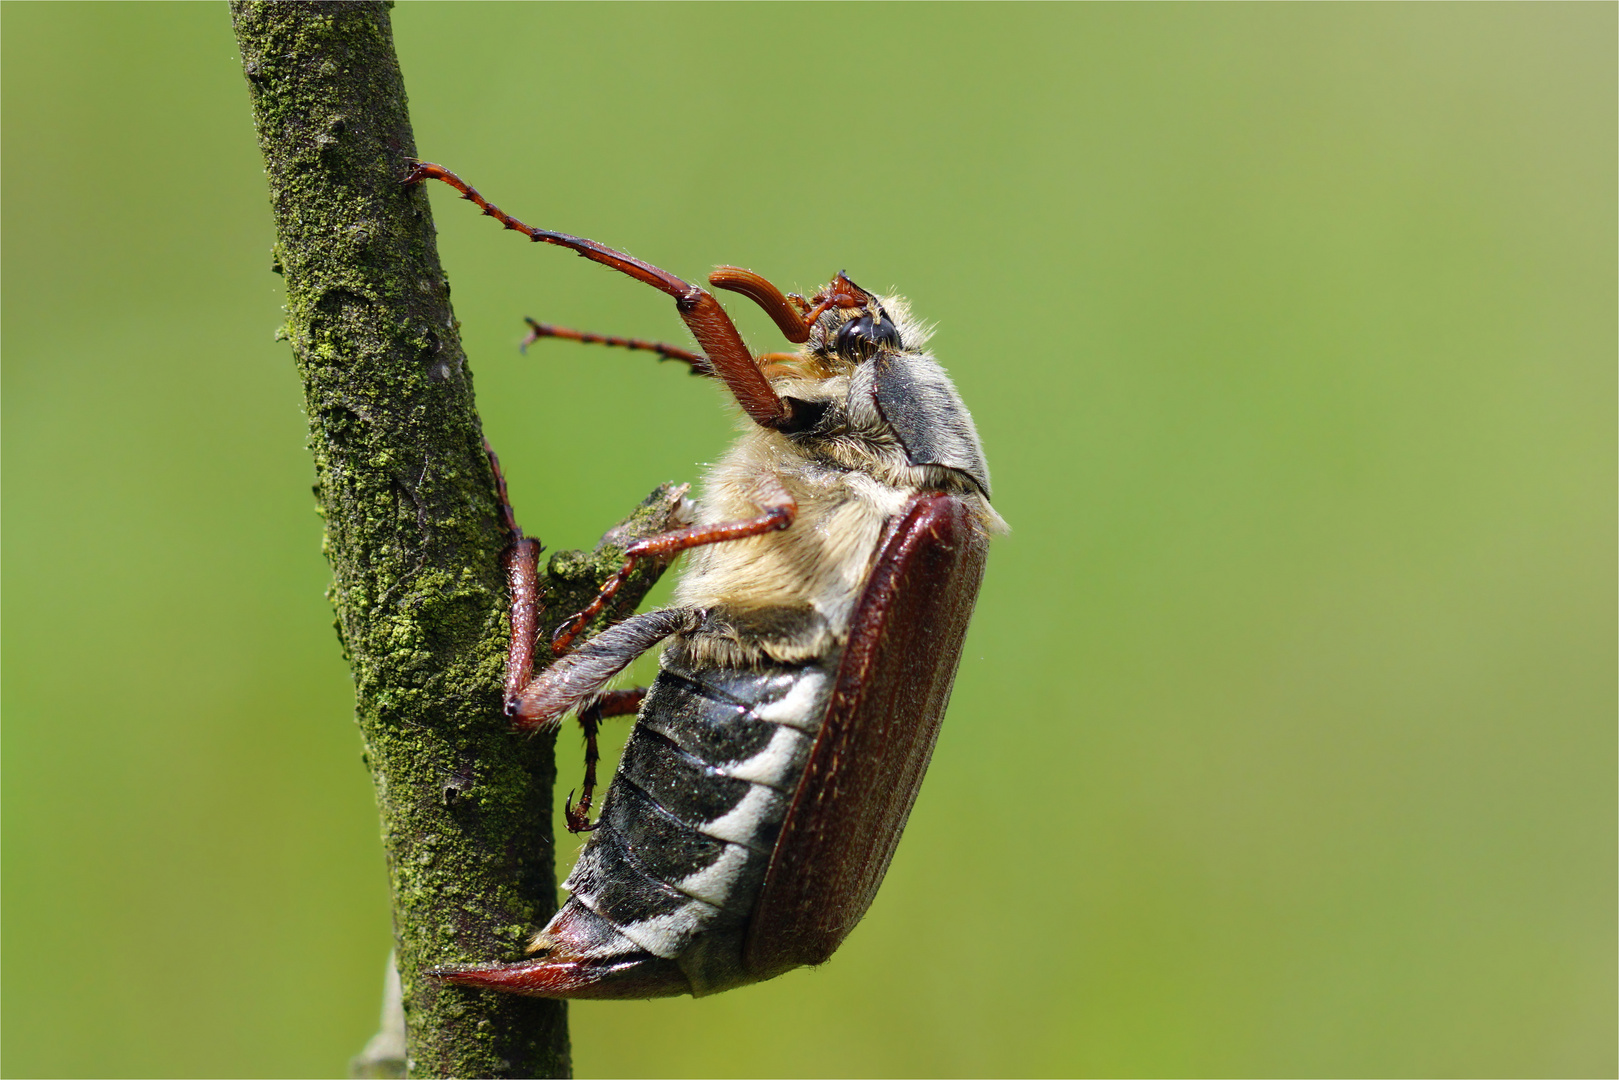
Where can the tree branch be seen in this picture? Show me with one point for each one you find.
(412, 532)
(411, 528)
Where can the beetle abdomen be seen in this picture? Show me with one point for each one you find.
(662, 893)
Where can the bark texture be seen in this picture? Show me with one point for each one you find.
(412, 531)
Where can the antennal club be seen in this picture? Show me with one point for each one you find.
(762, 292)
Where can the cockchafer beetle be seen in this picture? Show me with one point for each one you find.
(836, 556)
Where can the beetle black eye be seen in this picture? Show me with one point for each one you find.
(859, 339)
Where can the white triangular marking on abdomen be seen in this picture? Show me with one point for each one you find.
(713, 884)
(771, 765)
(740, 825)
(797, 707)
(667, 935)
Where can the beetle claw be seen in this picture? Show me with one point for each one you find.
(577, 818)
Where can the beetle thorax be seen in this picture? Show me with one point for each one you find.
(786, 596)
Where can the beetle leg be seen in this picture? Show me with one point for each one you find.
(696, 361)
(521, 560)
(620, 702)
(727, 353)
(581, 675)
(779, 515)
(577, 818)
(612, 703)
(508, 519)
(538, 330)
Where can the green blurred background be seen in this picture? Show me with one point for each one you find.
(1284, 743)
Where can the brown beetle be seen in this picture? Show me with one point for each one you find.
(836, 556)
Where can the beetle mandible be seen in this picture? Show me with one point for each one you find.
(835, 559)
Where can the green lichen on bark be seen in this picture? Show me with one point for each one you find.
(411, 530)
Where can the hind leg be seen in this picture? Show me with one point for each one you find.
(612, 703)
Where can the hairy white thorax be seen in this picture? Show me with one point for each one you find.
(821, 562)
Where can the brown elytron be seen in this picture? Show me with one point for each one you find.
(893, 685)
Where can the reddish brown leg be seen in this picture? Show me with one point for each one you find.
(508, 520)
(727, 353)
(612, 703)
(538, 330)
(774, 519)
(521, 560)
(522, 563)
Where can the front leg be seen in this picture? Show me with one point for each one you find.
(780, 510)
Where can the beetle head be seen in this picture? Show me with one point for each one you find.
(880, 349)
